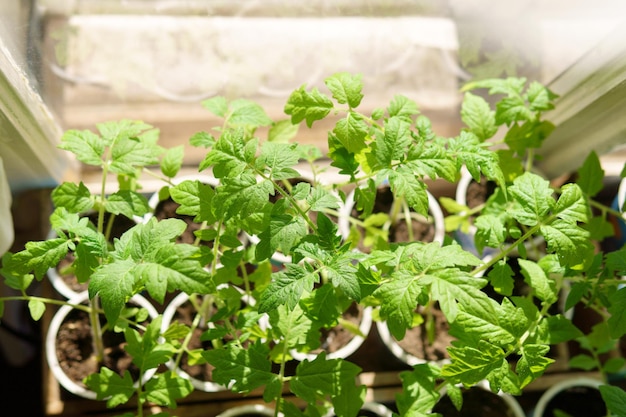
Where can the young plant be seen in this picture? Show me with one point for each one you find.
(321, 271)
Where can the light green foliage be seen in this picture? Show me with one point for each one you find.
(268, 248)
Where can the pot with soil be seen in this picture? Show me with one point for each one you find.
(401, 223)
(69, 346)
(575, 397)
(426, 342)
(62, 277)
(369, 409)
(252, 410)
(345, 338)
(183, 311)
(479, 400)
(474, 195)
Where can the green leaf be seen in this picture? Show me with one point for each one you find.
(544, 288)
(398, 302)
(419, 394)
(287, 288)
(195, 199)
(166, 388)
(617, 321)
(128, 203)
(484, 319)
(590, 175)
(512, 109)
(36, 309)
(450, 285)
(501, 278)
(282, 131)
(430, 160)
(540, 97)
(216, 105)
(571, 205)
(509, 86)
(534, 196)
(403, 108)
(231, 155)
(202, 140)
(128, 154)
(570, 242)
(303, 105)
(172, 161)
(75, 198)
(471, 365)
(107, 383)
(86, 145)
(39, 256)
(346, 88)
(292, 325)
(351, 131)
(283, 233)
(246, 369)
(334, 378)
(322, 306)
(246, 113)
(392, 145)
(533, 363)
(529, 134)
(280, 158)
(583, 361)
(561, 329)
(404, 183)
(478, 116)
(146, 351)
(615, 399)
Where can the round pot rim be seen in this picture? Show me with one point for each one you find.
(240, 410)
(376, 407)
(168, 315)
(350, 347)
(50, 344)
(434, 209)
(509, 399)
(398, 352)
(555, 389)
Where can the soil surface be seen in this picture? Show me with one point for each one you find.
(74, 348)
(416, 341)
(423, 231)
(476, 402)
(478, 192)
(577, 402)
(337, 337)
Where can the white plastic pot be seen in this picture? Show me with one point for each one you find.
(168, 316)
(434, 210)
(513, 408)
(249, 411)
(466, 240)
(397, 350)
(350, 347)
(50, 346)
(569, 384)
(372, 407)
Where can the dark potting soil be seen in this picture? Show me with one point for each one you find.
(477, 402)
(166, 209)
(577, 402)
(74, 348)
(417, 344)
(478, 192)
(337, 337)
(423, 231)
